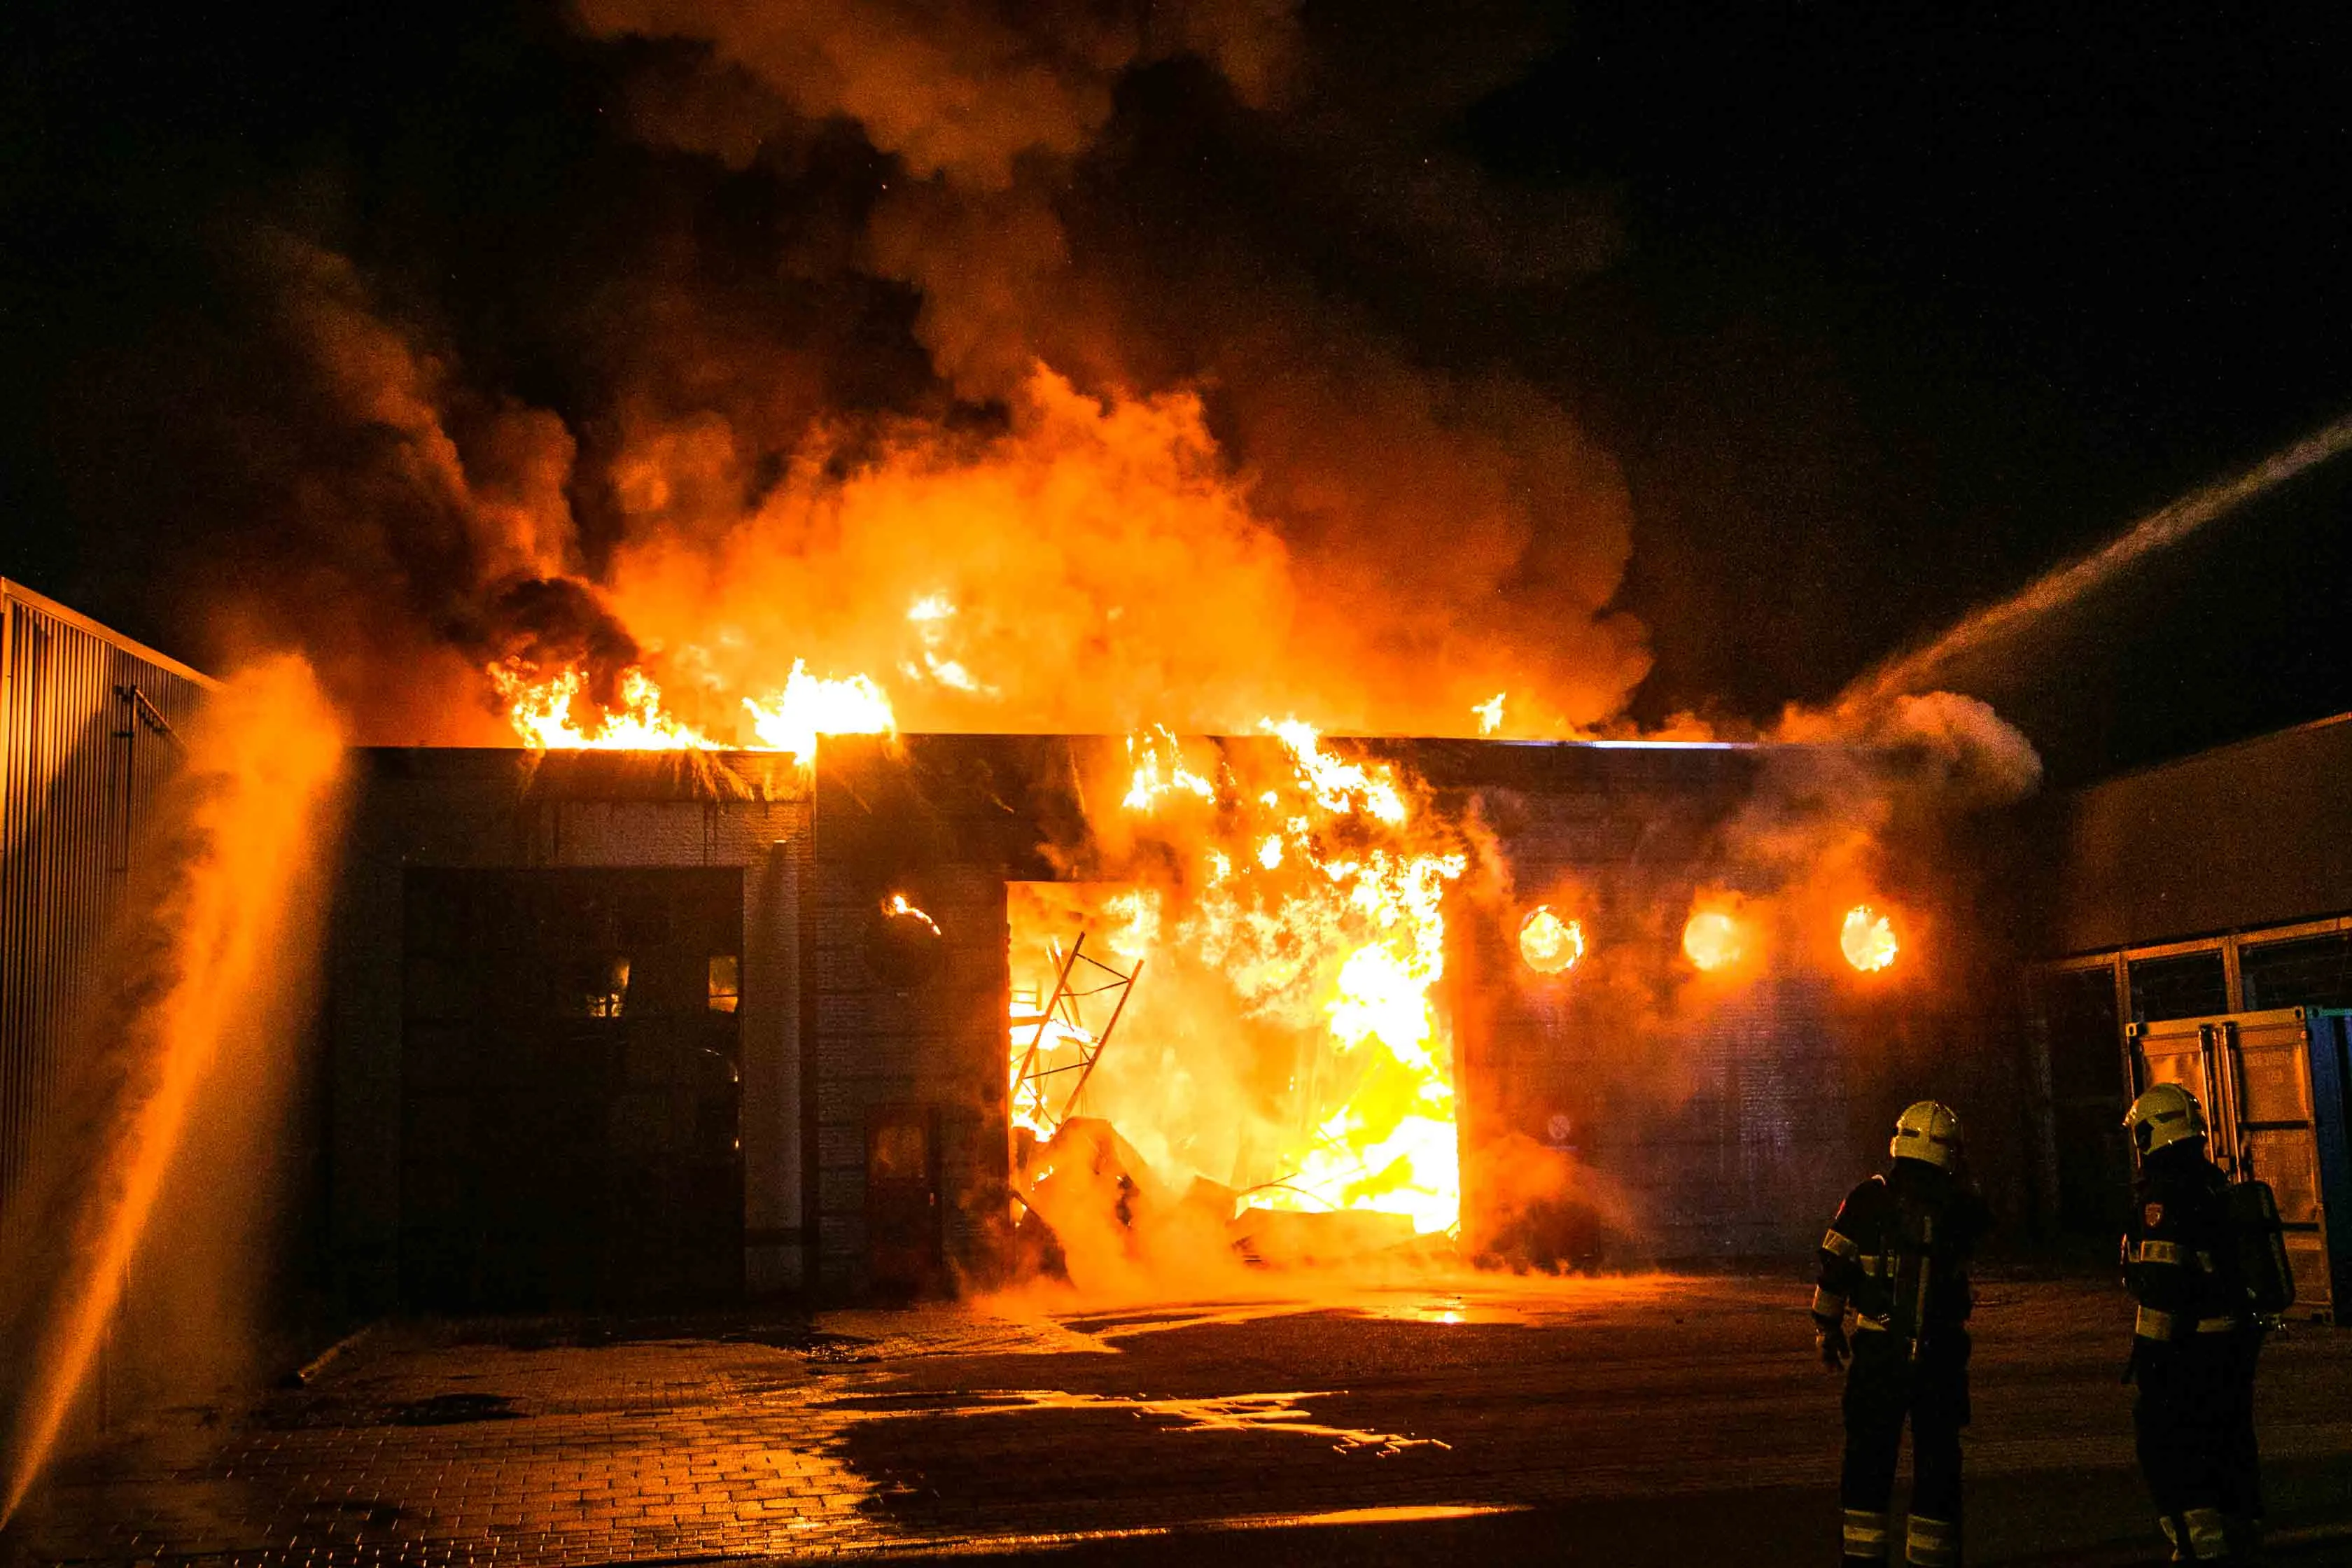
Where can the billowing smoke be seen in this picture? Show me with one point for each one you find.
(1040, 363)
(1372, 543)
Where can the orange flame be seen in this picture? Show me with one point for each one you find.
(897, 907)
(1714, 940)
(1160, 771)
(809, 707)
(1550, 944)
(1867, 939)
(1318, 920)
(545, 712)
(540, 709)
(1287, 1045)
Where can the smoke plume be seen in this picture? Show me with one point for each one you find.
(1040, 363)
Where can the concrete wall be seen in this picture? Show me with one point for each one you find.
(507, 809)
(1716, 1121)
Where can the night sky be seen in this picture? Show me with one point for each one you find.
(1882, 309)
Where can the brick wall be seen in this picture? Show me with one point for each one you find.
(947, 821)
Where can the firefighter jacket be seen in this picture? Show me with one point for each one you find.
(1898, 1255)
(2181, 1255)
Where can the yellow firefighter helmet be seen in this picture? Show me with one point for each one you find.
(1928, 1133)
(2167, 1114)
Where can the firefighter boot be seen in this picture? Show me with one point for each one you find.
(2206, 1536)
(1932, 1542)
(1865, 1538)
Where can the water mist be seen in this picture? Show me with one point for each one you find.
(205, 959)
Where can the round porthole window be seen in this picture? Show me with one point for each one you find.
(904, 945)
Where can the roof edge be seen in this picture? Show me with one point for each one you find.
(11, 589)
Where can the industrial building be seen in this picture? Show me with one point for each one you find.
(625, 1028)
(89, 738)
(2200, 916)
(620, 1028)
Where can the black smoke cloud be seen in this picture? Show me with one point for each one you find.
(657, 256)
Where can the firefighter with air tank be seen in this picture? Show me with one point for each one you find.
(2202, 1260)
(1898, 1257)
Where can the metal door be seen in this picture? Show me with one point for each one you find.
(569, 1088)
(2251, 1071)
(2275, 1137)
(905, 1242)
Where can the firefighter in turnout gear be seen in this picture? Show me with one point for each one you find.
(1898, 1257)
(2195, 1339)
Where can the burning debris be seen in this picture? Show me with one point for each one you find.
(1268, 972)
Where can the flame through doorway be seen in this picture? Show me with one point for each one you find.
(1130, 1042)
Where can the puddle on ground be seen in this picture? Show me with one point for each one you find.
(453, 1410)
(1284, 1413)
(1533, 1301)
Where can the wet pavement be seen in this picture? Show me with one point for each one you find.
(1632, 1421)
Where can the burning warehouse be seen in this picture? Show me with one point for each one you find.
(1110, 663)
(620, 1027)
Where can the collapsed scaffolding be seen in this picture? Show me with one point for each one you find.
(1062, 1016)
(1077, 1180)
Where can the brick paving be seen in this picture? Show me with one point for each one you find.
(962, 1426)
(440, 1445)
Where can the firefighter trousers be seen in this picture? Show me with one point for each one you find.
(2194, 1428)
(1884, 1388)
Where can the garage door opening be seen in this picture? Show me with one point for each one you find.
(570, 1088)
(1248, 1078)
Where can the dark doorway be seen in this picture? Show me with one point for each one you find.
(2089, 1094)
(570, 1086)
(905, 1252)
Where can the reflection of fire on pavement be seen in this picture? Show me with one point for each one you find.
(1227, 1413)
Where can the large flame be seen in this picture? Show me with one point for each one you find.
(551, 712)
(1288, 989)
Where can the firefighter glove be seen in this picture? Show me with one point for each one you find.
(1829, 1339)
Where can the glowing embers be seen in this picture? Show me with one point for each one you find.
(1867, 939)
(1550, 944)
(1716, 940)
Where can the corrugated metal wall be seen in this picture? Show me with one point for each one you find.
(89, 739)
